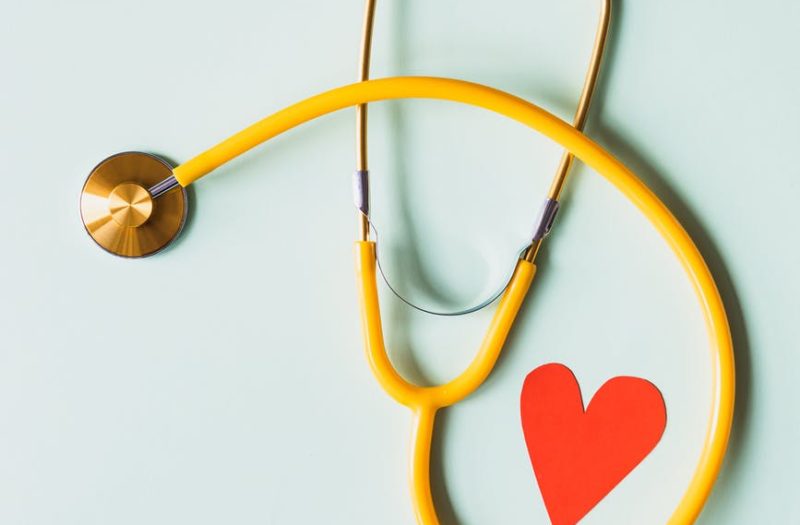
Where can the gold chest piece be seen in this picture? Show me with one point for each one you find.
(119, 211)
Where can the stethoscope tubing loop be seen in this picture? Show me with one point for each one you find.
(582, 147)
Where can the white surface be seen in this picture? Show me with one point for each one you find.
(253, 403)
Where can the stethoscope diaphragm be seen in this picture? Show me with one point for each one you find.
(125, 209)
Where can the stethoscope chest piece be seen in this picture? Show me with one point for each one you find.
(127, 208)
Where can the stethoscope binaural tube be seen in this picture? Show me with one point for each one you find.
(723, 375)
(551, 204)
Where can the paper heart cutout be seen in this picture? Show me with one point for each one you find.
(578, 455)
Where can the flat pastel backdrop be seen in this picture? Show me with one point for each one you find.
(223, 381)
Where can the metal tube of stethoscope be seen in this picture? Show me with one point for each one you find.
(165, 186)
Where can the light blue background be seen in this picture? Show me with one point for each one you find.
(223, 381)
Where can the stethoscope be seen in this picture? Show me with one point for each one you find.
(134, 204)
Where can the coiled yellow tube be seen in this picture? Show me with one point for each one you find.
(424, 402)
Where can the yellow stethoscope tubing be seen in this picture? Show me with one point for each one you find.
(723, 375)
(435, 397)
(425, 401)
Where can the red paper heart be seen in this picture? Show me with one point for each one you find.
(580, 455)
